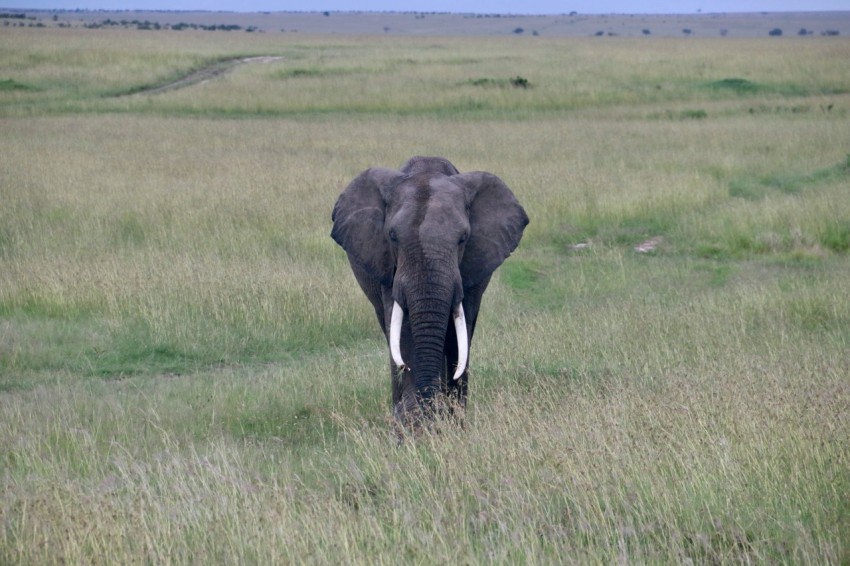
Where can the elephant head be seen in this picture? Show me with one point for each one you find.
(423, 242)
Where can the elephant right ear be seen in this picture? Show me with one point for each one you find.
(358, 219)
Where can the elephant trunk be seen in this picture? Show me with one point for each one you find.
(429, 334)
(459, 318)
(430, 312)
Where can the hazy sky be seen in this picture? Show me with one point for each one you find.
(475, 6)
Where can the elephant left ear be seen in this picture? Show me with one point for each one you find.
(358, 218)
(496, 221)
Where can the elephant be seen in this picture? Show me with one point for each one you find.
(423, 242)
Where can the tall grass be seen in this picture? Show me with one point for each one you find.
(189, 373)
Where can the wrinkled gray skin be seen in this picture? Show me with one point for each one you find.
(428, 238)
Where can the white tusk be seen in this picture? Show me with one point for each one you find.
(462, 342)
(395, 334)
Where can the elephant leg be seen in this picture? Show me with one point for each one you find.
(404, 397)
(454, 391)
(404, 391)
(457, 390)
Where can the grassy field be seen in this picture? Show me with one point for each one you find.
(189, 373)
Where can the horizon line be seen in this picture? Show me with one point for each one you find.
(432, 12)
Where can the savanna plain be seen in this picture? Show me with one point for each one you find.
(190, 374)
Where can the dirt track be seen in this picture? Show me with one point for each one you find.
(215, 70)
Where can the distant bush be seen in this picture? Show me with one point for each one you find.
(775, 32)
(516, 82)
(830, 32)
(687, 31)
(518, 31)
(520, 82)
(646, 32)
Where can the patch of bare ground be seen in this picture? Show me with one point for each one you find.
(207, 73)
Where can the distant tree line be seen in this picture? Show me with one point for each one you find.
(148, 25)
(22, 20)
(775, 32)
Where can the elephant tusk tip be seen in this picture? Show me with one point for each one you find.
(395, 335)
(462, 342)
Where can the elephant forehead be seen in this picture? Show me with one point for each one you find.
(428, 203)
(443, 189)
(444, 207)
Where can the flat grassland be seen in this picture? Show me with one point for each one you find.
(189, 373)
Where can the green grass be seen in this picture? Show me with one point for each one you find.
(189, 372)
(13, 85)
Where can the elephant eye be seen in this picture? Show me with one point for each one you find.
(393, 236)
(463, 238)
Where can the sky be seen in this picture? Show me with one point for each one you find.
(462, 6)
